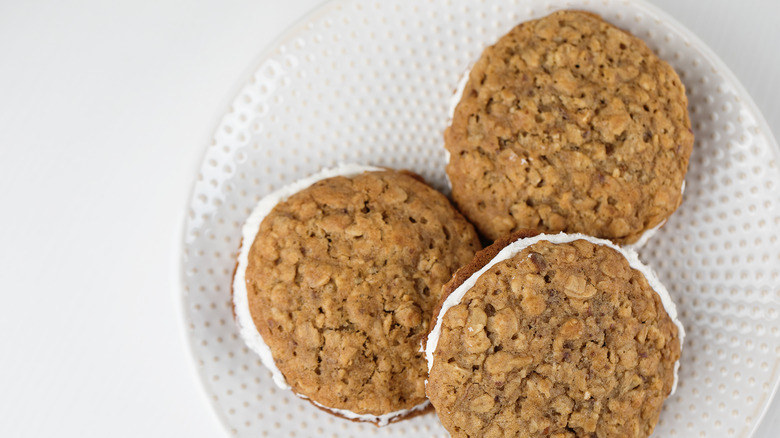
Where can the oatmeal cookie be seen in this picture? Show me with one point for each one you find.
(336, 284)
(553, 336)
(568, 123)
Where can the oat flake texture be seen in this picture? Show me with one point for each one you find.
(562, 340)
(568, 123)
(342, 280)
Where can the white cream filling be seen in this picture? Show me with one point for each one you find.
(380, 420)
(456, 98)
(645, 237)
(246, 324)
(517, 246)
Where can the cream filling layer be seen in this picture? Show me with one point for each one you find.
(458, 96)
(517, 246)
(246, 324)
(645, 237)
(380, 420)
(453, 102)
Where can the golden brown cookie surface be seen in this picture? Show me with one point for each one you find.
(561, 340)
(570, 124)
(342, 280)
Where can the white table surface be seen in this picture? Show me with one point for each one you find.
(105, 110)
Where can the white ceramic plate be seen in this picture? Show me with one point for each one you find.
(369, 82)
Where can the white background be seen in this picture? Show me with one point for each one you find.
(105, 110)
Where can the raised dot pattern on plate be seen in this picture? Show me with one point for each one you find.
(369, 82)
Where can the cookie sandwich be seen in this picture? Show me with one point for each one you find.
(336, 282)
(568, 123)
(560, 335)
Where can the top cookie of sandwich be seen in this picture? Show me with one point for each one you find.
(342, 279)
(570, 124)
(553, 336)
